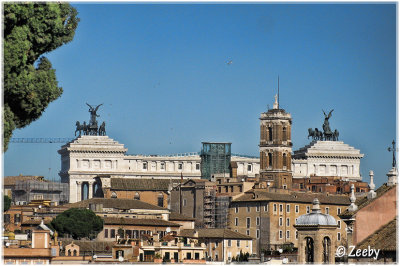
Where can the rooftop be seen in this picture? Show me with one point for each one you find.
(134, 221)
(290, 196)
(123, 204)
(384, 238)
(214, 233)
(142, 184)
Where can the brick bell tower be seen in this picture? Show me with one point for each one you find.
(276, 147)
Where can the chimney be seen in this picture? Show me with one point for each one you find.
(392, 177)
(371, 193)
(353, 207)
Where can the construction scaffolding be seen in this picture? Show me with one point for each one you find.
(29, 190)
(215, 159)
(222, 211)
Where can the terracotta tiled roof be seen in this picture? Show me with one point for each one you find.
(174, 216)
(304, 197)
(142, 184)
(133, 221)
(361, 202)
(214, 233)
(102, 247)
(11, 180)
(124, 204)
(168, 238)
(384, 238)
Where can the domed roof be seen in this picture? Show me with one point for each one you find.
(316, 217)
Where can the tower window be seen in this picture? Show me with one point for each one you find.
(269, 159)
(284, 160)
(284, 135)
(269, 133)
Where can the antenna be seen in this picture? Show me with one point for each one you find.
(278, 91)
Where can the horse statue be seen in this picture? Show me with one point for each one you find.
(78, 128)
(85, 128)
(102, 129)
(311, 133)
(318, 134)
(336, 135)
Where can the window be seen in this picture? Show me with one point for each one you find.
(216, 243)
(248, 232)
(308, 209)
(257, 220)
(197, 166)
(258, 208)
(327, 210)
(287, 208)
(17, 218)
(144, 166)
(236, 221)
(297, 235)
(248, 222)
(179, 166)
(258, 233)
(269, 133)
(339, 211)
(287, 234)
(284, 135)
(269, 159)
(296, 208)
(280, 221)
(238, 243)
(160, 200)
(274, 207)
(280, 208)
(338, 236)
(249, 167)
(189, 255)
(338, 224)
(162, 166)
(112, 233)
(280, 234)
(287, 221)
(229, 243)
(105, 233)
(196, 256)
(248, 208)
(236, 209)
(266, 208)
(284, 161)
(184, 202)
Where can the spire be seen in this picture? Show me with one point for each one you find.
(353, 206)
(278, 91)
(371, 193)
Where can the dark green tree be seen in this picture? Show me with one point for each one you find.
(7, 203)
(78, 223)
(30, 84)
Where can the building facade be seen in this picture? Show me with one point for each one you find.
(88, 161)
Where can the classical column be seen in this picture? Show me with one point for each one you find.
(79, 190)
(90, 189)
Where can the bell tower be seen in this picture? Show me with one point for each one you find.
(276, 147)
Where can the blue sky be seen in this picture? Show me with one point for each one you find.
(161, 72)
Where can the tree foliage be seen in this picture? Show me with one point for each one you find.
(30, 84)
(78, 223)
(6, 203)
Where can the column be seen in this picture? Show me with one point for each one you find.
(90, 189)
(79, 190)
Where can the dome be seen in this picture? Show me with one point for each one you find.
(316, 217)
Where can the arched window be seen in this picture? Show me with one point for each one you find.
(284, 134)
(327, 249)
(269, 159)
(75, 253)
(69, 252)
(284, 160)
(269, 133)
(137, 196)
(309, 250)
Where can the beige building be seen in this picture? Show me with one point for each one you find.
(268, 216)
(221, 244)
